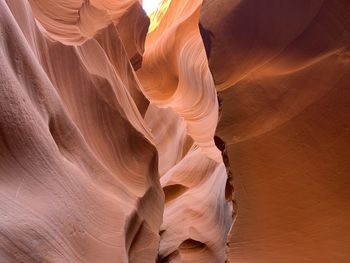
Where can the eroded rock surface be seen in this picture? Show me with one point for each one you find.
(218, 133)
(79, 171)
(87, 146)
(283, 72)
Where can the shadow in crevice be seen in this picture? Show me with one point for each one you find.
(172, 192)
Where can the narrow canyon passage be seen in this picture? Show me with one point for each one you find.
(199, 131)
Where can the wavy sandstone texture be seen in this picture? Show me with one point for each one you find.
(176, 78)
(282, 69)
(86, 150)
(218, 133)
(79, 177)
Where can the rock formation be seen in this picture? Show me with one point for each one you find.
(213, 131)
(282, 70)
(79, 177)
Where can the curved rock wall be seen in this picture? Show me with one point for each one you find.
(283, 71)
(79, 171)
(118, 145)
(99, 164)
(183, 117)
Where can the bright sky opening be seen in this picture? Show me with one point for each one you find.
(150, 5)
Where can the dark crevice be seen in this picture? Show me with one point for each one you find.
(229, 188)
(172, 192)
(191, 245)
(207, 39)
(168, 258)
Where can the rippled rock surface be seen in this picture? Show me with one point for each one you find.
(212, 131)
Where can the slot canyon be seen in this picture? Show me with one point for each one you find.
(203, 131)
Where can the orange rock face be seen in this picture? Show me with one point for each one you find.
(183, 117)
(218, 133)
(283, 72)
(79, 171)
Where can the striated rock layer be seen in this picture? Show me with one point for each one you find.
(176, 79)
(283, 72)
(123, 140)
(98, 164)
(79, 177)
